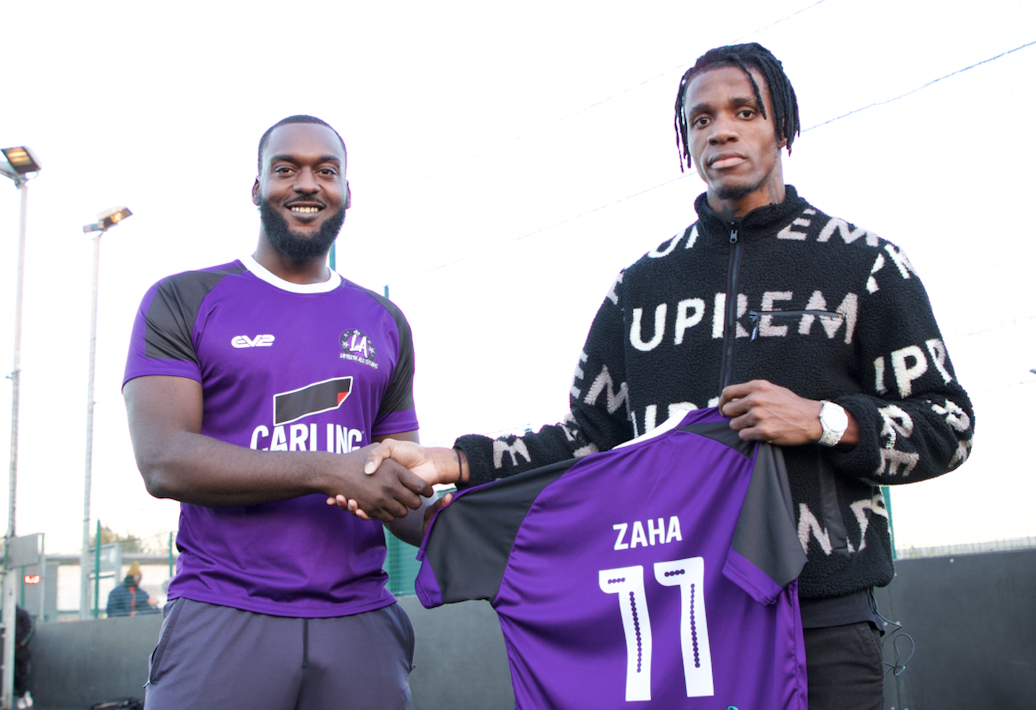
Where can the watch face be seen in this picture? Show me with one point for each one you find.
(833, 417)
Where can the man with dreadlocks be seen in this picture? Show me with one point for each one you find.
(805, 330)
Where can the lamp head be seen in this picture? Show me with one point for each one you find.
(108, 219)
(21, 161)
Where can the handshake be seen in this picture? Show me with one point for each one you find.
(433, 465)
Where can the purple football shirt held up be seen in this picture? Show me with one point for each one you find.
(283, 367)
(660, 574)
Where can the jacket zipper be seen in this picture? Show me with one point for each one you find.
(730, 328)
(756, 316)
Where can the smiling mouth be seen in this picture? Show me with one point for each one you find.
(298, 209)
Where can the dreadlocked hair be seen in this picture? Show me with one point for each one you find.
(745, 57)
(300, 118)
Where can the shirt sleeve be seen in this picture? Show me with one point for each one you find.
(915, 420)
(765, 554)
(396, 413)
(462, 557)
(162, 343)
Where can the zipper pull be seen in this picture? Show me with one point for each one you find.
(754, 317)
(733, 235)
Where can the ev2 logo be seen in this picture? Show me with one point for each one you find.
(260, 341)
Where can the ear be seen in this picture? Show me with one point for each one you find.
(348, 196)
(255, 193)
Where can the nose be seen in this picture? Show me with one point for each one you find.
(306, 182)
(723, 131)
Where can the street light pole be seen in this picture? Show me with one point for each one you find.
(16, 373)
(19, 164)
(105, 221)
(84, 562)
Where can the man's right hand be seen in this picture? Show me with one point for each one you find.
(388, 493)
(432, 464)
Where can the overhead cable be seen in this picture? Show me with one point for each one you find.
(499, 244)
(919, 88)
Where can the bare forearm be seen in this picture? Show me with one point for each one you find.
(178, 461)
(194, 468)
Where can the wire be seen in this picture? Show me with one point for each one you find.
(998, 326)
(500, 146)
(924, 86)
(497, 245)
(773, 24)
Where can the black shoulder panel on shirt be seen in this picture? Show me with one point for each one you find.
(721, 432)
(171, 315)
(399, 396)
(766, 529)
(484, 523)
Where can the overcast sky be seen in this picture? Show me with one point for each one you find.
(506, 161)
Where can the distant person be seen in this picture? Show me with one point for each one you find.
(128, 599)
(24, 630)
(252, 389)
(805, 330)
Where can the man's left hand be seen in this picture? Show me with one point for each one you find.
(763, 411)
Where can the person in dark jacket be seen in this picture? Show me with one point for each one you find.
(807, 331)
(128, 599)
(24, 630)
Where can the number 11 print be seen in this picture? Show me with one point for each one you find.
(628, 583)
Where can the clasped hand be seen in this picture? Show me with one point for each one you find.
(432, 464)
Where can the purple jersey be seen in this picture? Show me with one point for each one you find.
(283, 367)
(661, 574)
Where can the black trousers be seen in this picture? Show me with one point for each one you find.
(843, 664)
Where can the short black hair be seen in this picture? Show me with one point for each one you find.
(744, 56)
(301, 118)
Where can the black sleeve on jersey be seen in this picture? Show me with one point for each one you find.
(170, 317)
(475, 572)
(765, 528)
(400, 394)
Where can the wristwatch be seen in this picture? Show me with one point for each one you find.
(834, 421)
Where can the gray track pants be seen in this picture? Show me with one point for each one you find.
(216, 656)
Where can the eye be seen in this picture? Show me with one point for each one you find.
(700, 121)
(746, 113)
(282, 170)
(328, 172)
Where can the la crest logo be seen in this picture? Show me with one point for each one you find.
(358, 347)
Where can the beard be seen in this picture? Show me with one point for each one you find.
(300, 249)
(734, 192)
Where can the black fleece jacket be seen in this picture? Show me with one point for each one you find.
(822, 307)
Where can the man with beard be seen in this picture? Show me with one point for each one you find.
(254, 390)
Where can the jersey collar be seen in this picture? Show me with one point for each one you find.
(265, 275)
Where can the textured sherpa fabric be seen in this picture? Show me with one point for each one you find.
(823, 308)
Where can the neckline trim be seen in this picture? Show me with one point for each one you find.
(263, 274)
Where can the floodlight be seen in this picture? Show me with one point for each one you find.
(108, 219)
(21, 160)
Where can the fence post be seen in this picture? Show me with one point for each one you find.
(97, 569)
